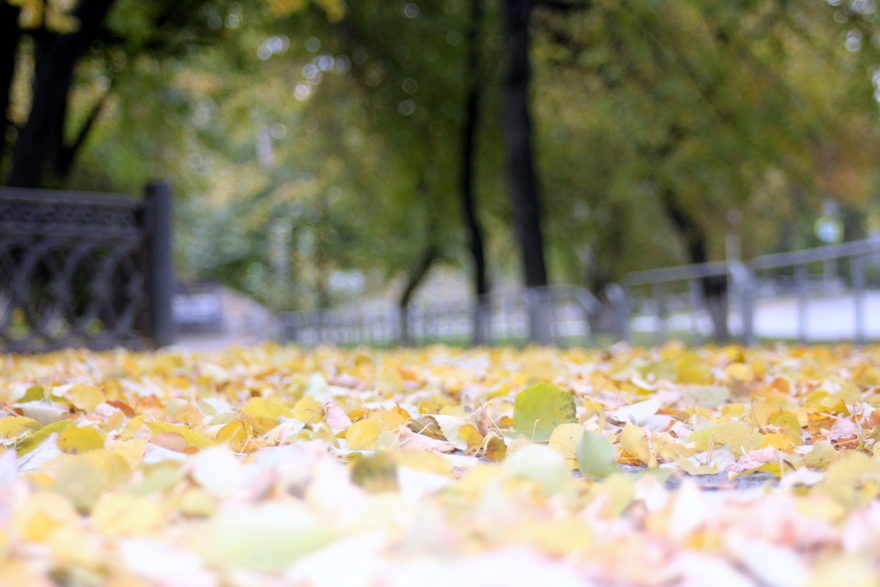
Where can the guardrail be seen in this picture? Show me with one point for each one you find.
(701, 299)
(743, 281)
(81, 269)
(548, 315)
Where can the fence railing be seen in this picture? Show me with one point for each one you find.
(550, 315)
(720, 300)
(799, 274)
(81, 269)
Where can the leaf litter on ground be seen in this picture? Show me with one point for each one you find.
(280, 466)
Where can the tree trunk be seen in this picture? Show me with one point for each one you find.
(713, 288)
(470, 128)
(40, 148)
(415, 277)
(518, 126)
(9, 38)
(64, 164)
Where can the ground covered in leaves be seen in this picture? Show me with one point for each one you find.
(279, 466)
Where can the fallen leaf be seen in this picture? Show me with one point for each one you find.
(596, 456)
(540, 409)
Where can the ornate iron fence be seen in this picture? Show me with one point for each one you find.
(80, 269)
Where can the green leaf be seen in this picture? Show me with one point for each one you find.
(596, 456)
(33, 441)
(541, 408)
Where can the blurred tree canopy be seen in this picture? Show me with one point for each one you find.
(323, 147)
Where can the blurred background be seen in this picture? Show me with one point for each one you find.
(361, 154)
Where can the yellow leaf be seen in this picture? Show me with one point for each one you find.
(761, 411)
(12, 426)
(235, 434)
(736, 436)
(76, 439)
(853, 480)
(425, 461)
(565, 440)
(389, 420)
(192, 437)
(75, 546)
(495, 449)
(821, 455)
(119, 514)
(36, 518)
(362, 435)
(616, 492)
(739, 372)
(733, 411)
(114, 464)
(196, 502)
(634, 440)
(308, 410)
(471, 436)
(692, 368)
(265, 413)
(558, 537)
(789, 425)
(776, 440)
(33, 441)
(85, 397)
(78, 479)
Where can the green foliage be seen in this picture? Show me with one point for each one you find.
(340, 123)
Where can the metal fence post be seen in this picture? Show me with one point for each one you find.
(290, 327)
(746, 284)
(158, 208)
(662, 332)
(403, 326)
(618, 295)
(536, 311)
(802, 316)
(480, 321)
(697, 303)
(858, 284)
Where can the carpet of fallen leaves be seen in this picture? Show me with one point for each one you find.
(280, 466)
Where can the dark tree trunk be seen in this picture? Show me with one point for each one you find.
(470, 128)
(713, 288)
(518, 126)
(9, 38)
(40, 150)
(65, 161)
(415, 277)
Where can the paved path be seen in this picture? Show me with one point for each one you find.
(216, 342)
